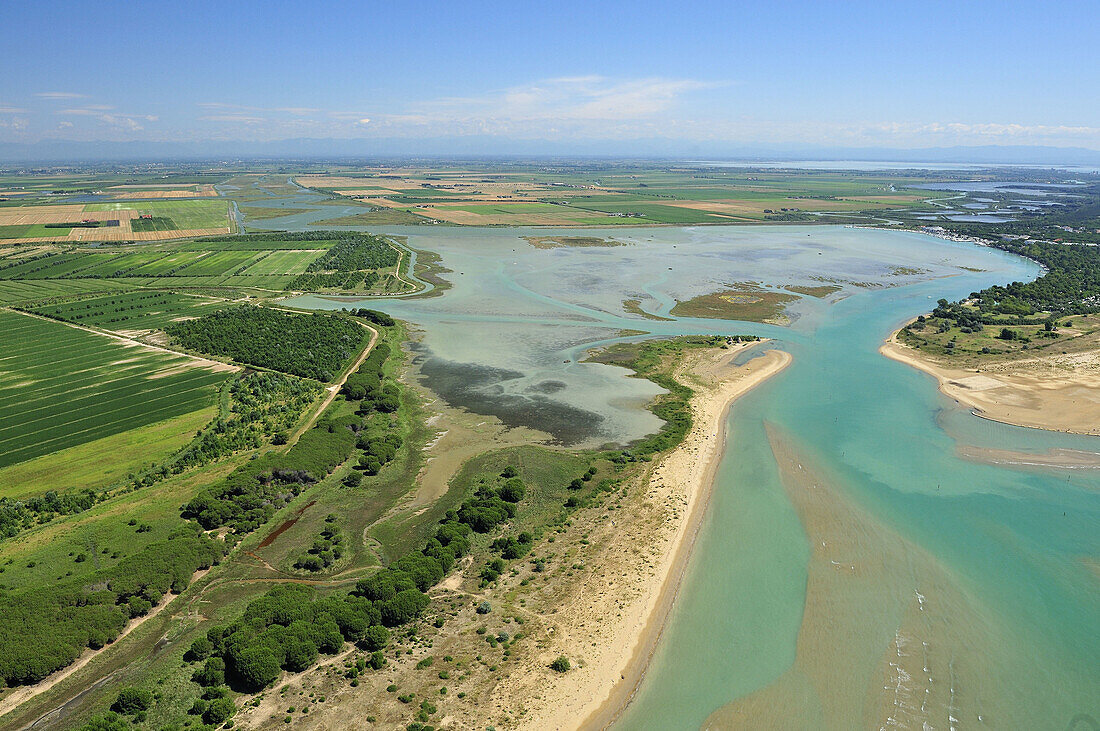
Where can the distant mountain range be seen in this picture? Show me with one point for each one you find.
(61, 151)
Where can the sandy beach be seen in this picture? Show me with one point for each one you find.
(614, 617)
(1058, 392)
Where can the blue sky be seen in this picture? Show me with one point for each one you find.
(801, 73)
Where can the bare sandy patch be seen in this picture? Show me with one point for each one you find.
(1056, 392)
(205, 191)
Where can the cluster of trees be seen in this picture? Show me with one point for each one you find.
(511, 489)
(290, 626)
(378, 318)
(1070, 286)
(513, 547)
(269, 401)
(312, 346)
(285, 629)
(344, 281)
(262, 241)
(379, 448)
(250, 495)
(366, 383)
(356, 252)
(325, 551)
(263, 405)
(17, 515)
(46, 628)
(966, 318)
(349, 264)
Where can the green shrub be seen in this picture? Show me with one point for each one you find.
(132, 700)
(219, 711)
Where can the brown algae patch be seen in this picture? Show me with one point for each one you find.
(745, 302)
(820, 291)
(634, 307)
(555, 242)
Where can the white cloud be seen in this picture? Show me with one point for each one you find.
(126, 122)
(60, 95)
(296, 111)
(567, 98)
(15, 124)
(235, 118)
(566, 109)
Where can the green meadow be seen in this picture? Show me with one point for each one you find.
(185, 214)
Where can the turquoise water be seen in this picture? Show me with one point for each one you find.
(1012, 542)
(991, 570)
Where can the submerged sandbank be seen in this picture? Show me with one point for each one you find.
(887, 638)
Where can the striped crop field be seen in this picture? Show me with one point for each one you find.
(22, 292)
(218, 262)
(61, 386)
(284, 262)
(132, 311)
(255, 242)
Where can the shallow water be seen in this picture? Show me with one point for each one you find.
(974, 589)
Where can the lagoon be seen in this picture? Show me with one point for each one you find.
(853, 569)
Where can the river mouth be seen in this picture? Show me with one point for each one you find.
(1003, 551)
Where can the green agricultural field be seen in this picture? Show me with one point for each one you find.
(156, 223)
(284, 262)
(83, 466)
(185, 214)
(165, 264)
(123, 264)
(254, 243)
(34, 231)
(656, 213)
(38, 267)
(218, 263)
(141, 310)
(67, 265)
(19, 292)
(61, 386)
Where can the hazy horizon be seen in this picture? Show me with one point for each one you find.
(579, 79)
